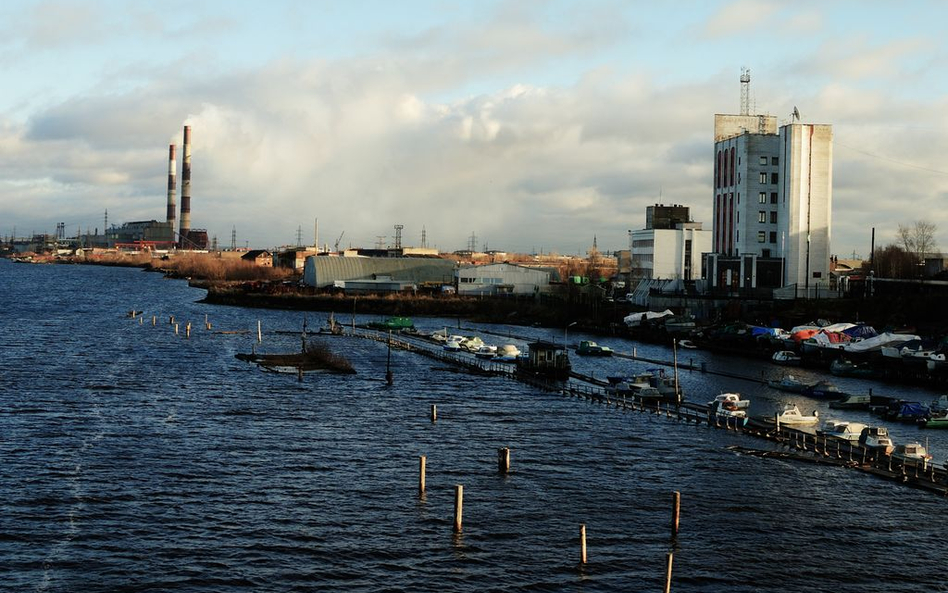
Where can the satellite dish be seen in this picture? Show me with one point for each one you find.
(796, 113)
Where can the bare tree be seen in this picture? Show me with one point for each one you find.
(892, 261)
(918, 240)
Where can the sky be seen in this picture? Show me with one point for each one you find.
(531, 126)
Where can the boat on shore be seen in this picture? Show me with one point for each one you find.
(787, 383)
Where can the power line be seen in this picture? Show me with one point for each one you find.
(891, 160)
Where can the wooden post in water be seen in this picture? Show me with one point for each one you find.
(434, 413)
(633, 351)
(582, 544)
(422, 460)
(259, 332)
(175, 329)
(171, 320)
(154, 320)
(389, 377)
(777, 422)
(676, 510)
(187, 329)
(458, 507)
(669, 559)
(503, 460)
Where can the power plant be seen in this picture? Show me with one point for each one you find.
(152, 234)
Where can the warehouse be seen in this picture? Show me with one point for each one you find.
(492, 279)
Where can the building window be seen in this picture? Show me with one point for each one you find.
(765, 253)
(761, 216)
(773, 178)
(773, 237)
(763, 178)
(773, 197)
(763, 160)
(762, 198)
(817, 274)
(774, 161)
(773, 218)
(761, 236)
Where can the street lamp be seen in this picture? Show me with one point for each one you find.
(565, 329)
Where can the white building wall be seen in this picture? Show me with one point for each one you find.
(661, 252)
(806, 151)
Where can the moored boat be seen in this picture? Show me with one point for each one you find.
(913, 453)
(788, 383)
(876, 438)
(486, 351)
(823, 390)
(787, 357)
(841, 429)
(939, 421)
(507, 353)
(852, 402)
(791, 415)
(729, 412)
(590, 348)
(730, 398)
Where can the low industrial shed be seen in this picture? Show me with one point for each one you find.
(324, 271)
(492, 279)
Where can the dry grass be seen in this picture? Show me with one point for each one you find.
(207, 266)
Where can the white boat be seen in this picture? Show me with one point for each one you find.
(486, 352)
(841, 429)
(791, 415)
(876, 437)
(687, 344)
(785, 357)
(508, 353)
(472, 344)
(728, 411)
(732, 398)
(913, 453)
(453, 343)
(939, 404)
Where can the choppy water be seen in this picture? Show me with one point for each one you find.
(132, 459)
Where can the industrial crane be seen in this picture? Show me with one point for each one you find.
(336, 246)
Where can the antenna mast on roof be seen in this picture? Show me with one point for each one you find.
(745, 91)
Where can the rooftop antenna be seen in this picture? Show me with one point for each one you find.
(796, 114)
(745, 91)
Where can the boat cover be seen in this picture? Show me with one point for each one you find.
(636, 318)
(878, 342)
(861, 331)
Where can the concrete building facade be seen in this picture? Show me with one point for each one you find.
(772, 202)
(492, 279)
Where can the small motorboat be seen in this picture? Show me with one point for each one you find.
(486, 351)
(936, 421)
(876, 438)
(939, 404)
(730, 398)
(453, 343)
(912, 453)
(590, 348)
(729, 412)
(788, 383)
(852, 402)
(841, 429)
(786, 357)
(507, 353)
(823, 390)
(791, 415)
(472, 344)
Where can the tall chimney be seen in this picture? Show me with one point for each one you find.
(172, 175)
(186, 186)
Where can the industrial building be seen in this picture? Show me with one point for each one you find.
(494, 279)
(670, 245)
(389, 273)
(772, 202)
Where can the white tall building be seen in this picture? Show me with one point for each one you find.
(773, 200)
(670, 246)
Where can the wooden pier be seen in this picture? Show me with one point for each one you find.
(791, 443)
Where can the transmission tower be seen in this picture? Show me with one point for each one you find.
(472, 243)
(424, 239)
(398, 235)
(233, 239)
(299, 236)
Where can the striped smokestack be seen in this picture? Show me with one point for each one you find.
(172, 175)
(186, 186)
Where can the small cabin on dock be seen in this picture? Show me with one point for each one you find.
(546, 358)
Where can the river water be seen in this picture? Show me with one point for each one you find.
(134, 459)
